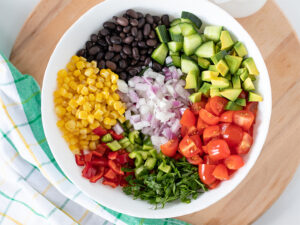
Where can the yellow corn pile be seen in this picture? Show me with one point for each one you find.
(85, 99)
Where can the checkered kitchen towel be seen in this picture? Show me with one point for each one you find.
(33, 189)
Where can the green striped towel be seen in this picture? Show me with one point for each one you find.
(33, 189)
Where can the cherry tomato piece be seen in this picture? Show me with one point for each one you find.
(214, 185)
(232, 134)
(252, 107)
(243, 119)
(170, 148)
(193, 131)
(195, 160)
(208, 117)
(217, 105)
(183, 131)
(208, 160)
(221, 172)
(208, 108)
(234, 162)
(218, 149)
(226, 117)
(201, 125)
(210, 133)
(245, 145)
(188, 118)
(205, 172)
(188, 147)
(195, 107)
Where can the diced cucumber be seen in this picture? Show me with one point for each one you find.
(240, 49)
(236, 81)
(191, 43)
(162, 33)
(248, 85)
(206, 50)
(160, 53)
(191, 80)
(187, 65)
(254, 97)
(233, 106)
(114, 145)
(175, 22)
(185, 20)
(176, 60)
(222, 67)
(240, 101)
(233, 62)
(174, 53)
(204, 39)
(195, 97)
(207, 75)
(213, 68)
(250, 65)
(175, 33)
(214, 92)
(107, 138)
(231, 94)
(203, 63)
(213, 32)
(192, 17)
(242, 73)
(220, 82)
(226, 41)
(205, 89)
(218, 56)
(164, 168)
(187, 29)
(175, 46)
(150, 163)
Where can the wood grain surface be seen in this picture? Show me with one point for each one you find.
(281, 50)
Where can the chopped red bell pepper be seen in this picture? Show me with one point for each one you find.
(88, 157)
(115, 135)
(100, 131)
(122, 158)
(110, 183)
(89, 171)
(101, 149)
(112, 155)
(98, 176)
(79, 160)
(96, 154)
(116, 167)
(99, 162)
(110, 174)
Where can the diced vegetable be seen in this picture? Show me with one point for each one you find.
(213, 32)
(162, 33)
(192, 17)
(160, 53)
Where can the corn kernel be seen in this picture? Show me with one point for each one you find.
(90, 81)
(88, 64)
(84, 123)
(97, 106)
(118, 105)
(84, 91)
(99, 97)
(115, 96)
(75, 59)
(87, 107)
(92, 97)
(92, 88)
(90, 118)
(122, 111)
(98, 114)
(83, 131)
(82, 59)
(96, 70)
(62, 73)
(76, 73)
(105, 94)
(73, 141)
(60, 110)
(114, 87)
(70, 67)
(92, 145)
(81, 78)
(114, 115)
(107, 121)
(74, 149)
(73, 103)
(69, 95)
(80, 100)
(80, 65)
(113, 122)
(60, 123)
(110, 101)
(122, 119)
(70, 125)
(114, 78)
(104, 73)
(69, 109)
(107, 83)
(82, 115)
(107, 126)
(88, 72)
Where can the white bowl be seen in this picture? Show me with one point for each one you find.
(75, 38)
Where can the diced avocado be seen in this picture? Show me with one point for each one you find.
(191, 43)
(254, 97)
(176, 60)
(107, 138)
(242, 73)
(187, 65)
(240, 101)
(196, 97)
(175, 22)
(250, 65)
(231, 94)
(205, 89)
(226, 41)
(248, 85)
(203, 63)
(191, 80)
(222, 67)
(233, 62)
(175, 33)
(219, 82)
(214, 92)
(187, 29)
(233, 106)
(217, 57)
(206, 50)
(204, 39)
(213, 32)
(228, 76)
(236, 81)
(240, 49)
(150, 163)
(165, 168)
(140, 171)
(252, 77)
(208, 75)
(162, 33)
(175, 46)
(192, 17)
(233, 53)
(213, 68)
(160, 53)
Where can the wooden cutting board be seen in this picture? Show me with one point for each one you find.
(281, 50)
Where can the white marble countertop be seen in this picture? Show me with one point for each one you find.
(285, 211)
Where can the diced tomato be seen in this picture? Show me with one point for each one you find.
(214, 185)
(79, 160)
(243, 119)
(200, 125)
(177, 156)
(100, 149)
(218, 149)
(208, 160)
(115, 135)
(112, 155)
(116, 167)
(123, 158)
(100, 131)
(193, 131)
(208, 108)
(110, 183)
(99, 162)
(226, 117)
(204, 149)
(245, 145)
(243, 94)
(195, 160)
(252, 107)
(183, 131)
(89, 171)
(197, 140)
(208, 117)
(210, 133)
(205, 172)
(232, 134)
(188, 118)
(98, 176)
(188, 147)
(88, 157)
(221, 172)
(234, 162)
(217, 105)
(195, 107)
(170, 148)
(110, 174)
